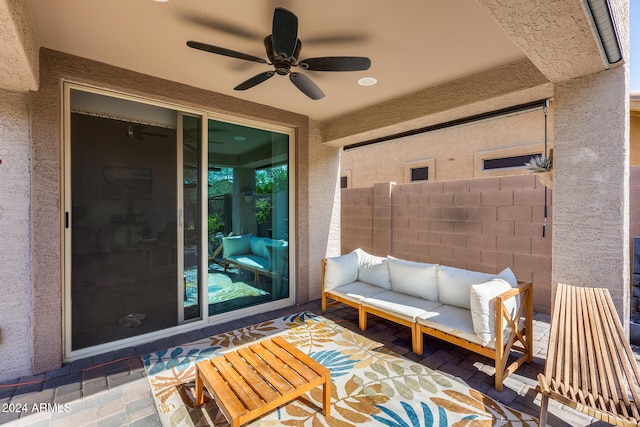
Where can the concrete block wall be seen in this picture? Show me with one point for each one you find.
(634, 234)
(484, 224)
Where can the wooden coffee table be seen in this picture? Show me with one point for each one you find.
(251, 381)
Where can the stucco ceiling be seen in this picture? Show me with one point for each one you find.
(413, 44)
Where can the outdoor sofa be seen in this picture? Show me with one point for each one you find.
(259, 255)
(470, 309)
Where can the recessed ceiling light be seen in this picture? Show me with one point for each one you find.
(367, 81)
(239, 138)
(160, 1)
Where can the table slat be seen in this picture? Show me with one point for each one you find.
(236, 383)
(274, 378)
(278, 365)
(252, 377)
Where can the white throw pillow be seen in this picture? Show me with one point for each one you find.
(236, 245)
(414, 278)
(277, 253)
(454, 285)
(257, 246)
(483, 308)
(508, 276)
(373, 269)
(341, 270)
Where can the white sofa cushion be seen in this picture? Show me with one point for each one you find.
(373, 269)
(454, 284)
(456, 321)
(452, 320)
(401, 305)
(357, 291)
(255, 262)
(341, 270)
(483, 308)
(414, 278)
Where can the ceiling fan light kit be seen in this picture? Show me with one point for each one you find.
(283, 49)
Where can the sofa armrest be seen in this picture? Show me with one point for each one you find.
(524, 291)
(524, 308)
(521, 289)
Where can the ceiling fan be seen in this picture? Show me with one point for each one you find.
(283, 49)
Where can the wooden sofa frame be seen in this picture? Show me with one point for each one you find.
(256, 272)
(521, 340)
(590, 366)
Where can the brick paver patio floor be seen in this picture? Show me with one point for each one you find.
(111, 389)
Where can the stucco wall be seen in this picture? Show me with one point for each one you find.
(634, 137)
(47, 181)
(456, 152)
(323, 208)
(591, 184)
(16, 350)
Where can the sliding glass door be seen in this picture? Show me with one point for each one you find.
(170, 218)
(123, 219)
(248, 216)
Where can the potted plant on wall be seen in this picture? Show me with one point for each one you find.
(543, 167)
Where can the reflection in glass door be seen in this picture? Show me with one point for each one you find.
(248, 216)
(192, 216)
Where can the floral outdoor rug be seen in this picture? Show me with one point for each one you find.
(370, 384)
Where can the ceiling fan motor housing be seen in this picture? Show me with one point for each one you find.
(280, 61)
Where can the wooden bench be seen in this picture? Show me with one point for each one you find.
(254, 380)
(590, 365)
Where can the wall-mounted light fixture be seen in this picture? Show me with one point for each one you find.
(605, 28)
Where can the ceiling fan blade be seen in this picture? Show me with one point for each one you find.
(222, 51)
(306, 85)
(336, 39)
(285, 32)
(257, 79)
(336, 63)
(217, 24)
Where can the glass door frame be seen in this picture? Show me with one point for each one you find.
(65, 223)
(292, 232)
(203, 232)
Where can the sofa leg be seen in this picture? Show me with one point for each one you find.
(417, 340)
(363, 319)
(499, 378)
(324, 303)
